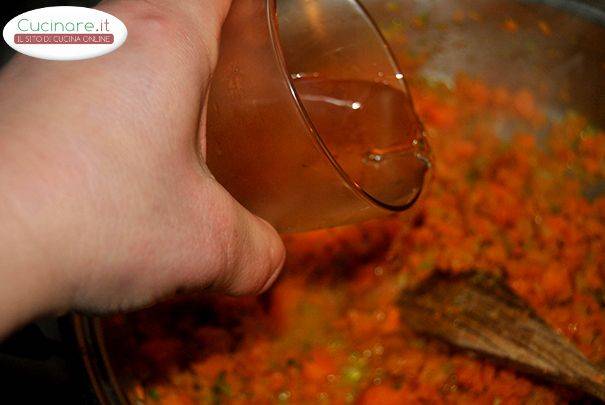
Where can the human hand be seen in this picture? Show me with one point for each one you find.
(104, 204)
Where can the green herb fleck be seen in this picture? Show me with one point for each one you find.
(221, 387)
(352, 374)
(153, 394)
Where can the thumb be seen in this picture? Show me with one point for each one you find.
(250, 253)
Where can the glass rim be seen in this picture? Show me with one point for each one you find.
(353, 185)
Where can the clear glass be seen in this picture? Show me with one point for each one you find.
(310, 124)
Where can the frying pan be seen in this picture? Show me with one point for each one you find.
(565, 69)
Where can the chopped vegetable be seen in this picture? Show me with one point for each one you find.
(330, 331)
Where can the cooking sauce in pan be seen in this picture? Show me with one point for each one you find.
(330, 332)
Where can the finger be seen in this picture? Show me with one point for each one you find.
(252, 252)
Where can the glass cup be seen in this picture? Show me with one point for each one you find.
(310, 123)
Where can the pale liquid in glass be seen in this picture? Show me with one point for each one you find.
(373, 134)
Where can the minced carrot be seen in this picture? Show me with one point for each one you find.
(510, 25)
(544, 27)
(526, 207)
(381, 395)
(319, 366)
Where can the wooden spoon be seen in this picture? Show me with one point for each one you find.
(479, 312)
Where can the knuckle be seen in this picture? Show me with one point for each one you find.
(156, 20)
(164, 24)
(245, 261)
(255, 271)
(248, 268)
(226, 240)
